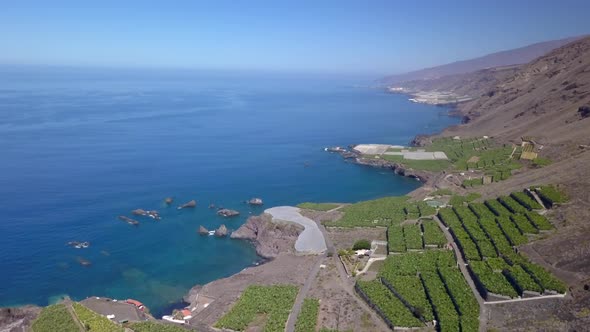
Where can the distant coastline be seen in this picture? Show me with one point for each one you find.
(437, 98)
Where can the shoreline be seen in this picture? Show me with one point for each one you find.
(426, 178)
(264, 260)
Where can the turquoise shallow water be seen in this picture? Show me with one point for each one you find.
(80, 147)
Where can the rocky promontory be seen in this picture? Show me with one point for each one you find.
(270, 238)
(397, 168)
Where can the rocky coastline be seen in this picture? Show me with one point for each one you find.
(268, 237)
(355, 157)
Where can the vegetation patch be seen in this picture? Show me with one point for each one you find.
(395, 239)
(273, 301)
(423, 165)
(93, 321)
(442, 192)
(378, 212)
(387, 304)
(486, 235)
(526, 200)
(413, 237)
(460, 292)
(318, 206)
(430, 286)
(155, 327)
(55, 318)
(308, 317)
(362, 244)
(541, 162)
(551, 195)
(481, 154)
(433, 235)
(411, 290)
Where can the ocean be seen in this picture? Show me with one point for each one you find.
(82, 146)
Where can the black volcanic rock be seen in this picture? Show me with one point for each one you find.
(584, 111)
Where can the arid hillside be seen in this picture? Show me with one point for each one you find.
(548, 100)
(473, 84)
(544, 99)
(504, 58)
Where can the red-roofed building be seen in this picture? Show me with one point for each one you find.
(186, 314)
(136, 303)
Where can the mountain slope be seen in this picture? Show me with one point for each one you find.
(499, 59)
(472, 84)
(548, 99)
(541, 99)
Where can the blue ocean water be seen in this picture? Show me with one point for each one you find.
(81, 147)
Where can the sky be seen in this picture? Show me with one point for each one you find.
(376, 37)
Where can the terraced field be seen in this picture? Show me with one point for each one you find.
(308, 317)
(273, 303)
(423, 235)
(55, 318)
(382, 212)
(487, 234)
(479, 154)
(423, 287)
(415, 287)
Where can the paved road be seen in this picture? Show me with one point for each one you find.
(303, 294)
(311, 240)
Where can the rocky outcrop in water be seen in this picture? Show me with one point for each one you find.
(129, 220)
(83, 261)
(227, 213)
(139, 212)
(168, 200)
(221, 231)
(256, 201)
(190, 204)
(203, 231)
(270, 238)
(147, 213)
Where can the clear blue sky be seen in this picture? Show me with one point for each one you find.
(379, 37)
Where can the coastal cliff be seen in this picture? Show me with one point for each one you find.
(270, 238)
(398, 168)
(18, 319)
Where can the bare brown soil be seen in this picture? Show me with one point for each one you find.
(18, 319)
(344, 238)
(338, 309)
